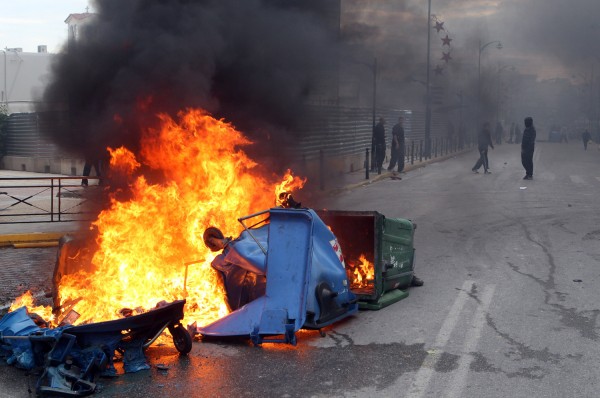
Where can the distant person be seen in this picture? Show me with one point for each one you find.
(527, 147)
(586, 137)
(90, 162)
(398, 147)
(379, 140)
(511, 133)
(484, 140)
(563, 135)
(498, 133)
(517, 134)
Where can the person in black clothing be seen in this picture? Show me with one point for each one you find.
(397, 146)
(484, 139)
(527, 147)
(379, 140)
(586, 137)
(90, 162)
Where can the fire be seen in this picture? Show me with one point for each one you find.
(360, 273)
(28, 301)
(150, 245)
(290, 183)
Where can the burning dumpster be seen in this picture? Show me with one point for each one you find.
(284, 273)
(378, 252)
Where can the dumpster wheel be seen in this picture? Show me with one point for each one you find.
(181, 338)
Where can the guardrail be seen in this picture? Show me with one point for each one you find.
(47, 199)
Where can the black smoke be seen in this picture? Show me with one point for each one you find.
(253, 62)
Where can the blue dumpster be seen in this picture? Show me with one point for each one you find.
(283, 274)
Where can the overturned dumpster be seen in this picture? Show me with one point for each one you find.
(284, 273)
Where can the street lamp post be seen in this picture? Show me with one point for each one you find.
(481, 48)
(427, 151)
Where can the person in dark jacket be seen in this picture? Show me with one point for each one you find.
(397, 146)
(527, 147)
(586, 137)
(379, 140)
(484, 139)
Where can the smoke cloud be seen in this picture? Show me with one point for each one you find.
(251, 62)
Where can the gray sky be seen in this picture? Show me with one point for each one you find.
(29, 23)
(551, 38)
(548, 38)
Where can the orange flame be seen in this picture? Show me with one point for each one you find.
(360, 274)
(28, 301)
(289, 184)
(150, 246)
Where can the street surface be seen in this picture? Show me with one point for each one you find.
(509, 307)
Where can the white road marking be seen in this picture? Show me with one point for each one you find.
(423, 376)
(459, 377)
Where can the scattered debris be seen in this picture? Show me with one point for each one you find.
(73, 356)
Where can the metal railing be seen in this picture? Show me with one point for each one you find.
(47, 199)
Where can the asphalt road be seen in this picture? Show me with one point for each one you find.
(509, 306)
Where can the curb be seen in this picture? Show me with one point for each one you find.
(387, 174)
(37, 239)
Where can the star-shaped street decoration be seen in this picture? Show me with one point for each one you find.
(439, 70)
(439, 26)
(446, 41)
(446, 57)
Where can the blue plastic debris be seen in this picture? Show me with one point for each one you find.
(72, 356)
(305, 282)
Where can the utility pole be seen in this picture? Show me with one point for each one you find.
(427, 151)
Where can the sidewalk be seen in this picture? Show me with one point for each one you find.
(348, 181)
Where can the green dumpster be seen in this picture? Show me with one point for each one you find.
(387, 246)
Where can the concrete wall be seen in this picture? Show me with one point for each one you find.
(64, 166)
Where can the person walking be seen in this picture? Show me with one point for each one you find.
(512, 133)
(379, 139)
(586, 137)
(527, 148)
(398, 147)
(484, 139)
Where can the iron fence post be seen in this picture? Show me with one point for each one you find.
(367, 163)
(59, 198)
(52, 199)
